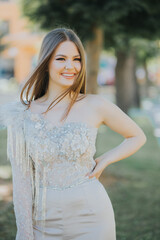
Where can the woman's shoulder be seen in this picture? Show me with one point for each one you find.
(94, 97)
(14, 106)
(11, 111)
(98, 100)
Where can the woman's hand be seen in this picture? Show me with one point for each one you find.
(98, 169)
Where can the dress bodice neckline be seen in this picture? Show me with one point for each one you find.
(59, 125)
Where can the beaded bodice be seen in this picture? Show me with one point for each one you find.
(43, 155)
(65, 151)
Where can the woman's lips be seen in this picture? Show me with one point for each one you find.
(68, 75)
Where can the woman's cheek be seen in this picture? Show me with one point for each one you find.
(78, 66)
(58, 65)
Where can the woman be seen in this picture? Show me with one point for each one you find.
(56, 191)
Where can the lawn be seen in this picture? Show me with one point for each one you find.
(132, 185)
(134, 191)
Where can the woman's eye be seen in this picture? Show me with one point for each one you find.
(61, 59)
(77, 59)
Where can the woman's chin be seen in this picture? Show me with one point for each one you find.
(67, 82)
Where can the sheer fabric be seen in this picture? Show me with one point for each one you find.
(43, 155)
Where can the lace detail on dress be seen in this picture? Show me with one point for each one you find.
(66, 151)
(45, 156)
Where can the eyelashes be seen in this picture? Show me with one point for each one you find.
(62, 59)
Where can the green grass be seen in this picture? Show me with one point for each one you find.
(132, 185)
(135, 195)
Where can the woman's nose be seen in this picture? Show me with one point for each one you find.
(69, 64)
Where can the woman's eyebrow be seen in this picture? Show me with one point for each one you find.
(66, 56)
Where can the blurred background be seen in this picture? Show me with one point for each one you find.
(122, 44)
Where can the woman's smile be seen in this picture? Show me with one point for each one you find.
(68, 75)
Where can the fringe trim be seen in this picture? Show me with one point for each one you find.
(19, 149)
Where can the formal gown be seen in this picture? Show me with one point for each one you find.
(52, 197)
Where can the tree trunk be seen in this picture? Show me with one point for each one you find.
(127, 91)
(147, 83)
(93, 50)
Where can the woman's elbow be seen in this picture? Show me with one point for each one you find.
(142, 138)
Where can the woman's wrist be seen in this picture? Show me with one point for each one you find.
(104, 161)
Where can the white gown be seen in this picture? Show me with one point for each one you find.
(52, 161)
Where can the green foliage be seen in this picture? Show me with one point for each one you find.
(82, 16)
(121, 20)
(145, 50)
(140, 22)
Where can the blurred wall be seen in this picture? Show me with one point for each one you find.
(22, 43)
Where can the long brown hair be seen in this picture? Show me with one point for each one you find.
(39, 78)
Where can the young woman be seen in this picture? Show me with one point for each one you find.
(51, 144)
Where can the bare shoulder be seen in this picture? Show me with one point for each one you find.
(100, 102)
(105, 111)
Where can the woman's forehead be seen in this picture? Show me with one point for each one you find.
(67, 48)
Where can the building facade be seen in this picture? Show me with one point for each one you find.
(18, 44)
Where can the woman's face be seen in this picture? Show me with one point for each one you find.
(65, 64)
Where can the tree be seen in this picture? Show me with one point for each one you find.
(146, 50)
(89, 18)
(144, 23)
(127, 94)
(96, 20)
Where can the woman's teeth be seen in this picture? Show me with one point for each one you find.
(68, 75)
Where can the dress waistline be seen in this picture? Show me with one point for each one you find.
(70, 186)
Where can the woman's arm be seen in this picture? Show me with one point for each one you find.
(22, 182)
(11, 117)
(118, 121)
(22, 202)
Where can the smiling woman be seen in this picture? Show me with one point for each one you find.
(61, 71)
(56, 191)
(63, 67)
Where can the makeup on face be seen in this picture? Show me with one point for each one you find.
(65, 63)
(68, 72)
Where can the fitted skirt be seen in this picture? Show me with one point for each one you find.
(82, 212)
